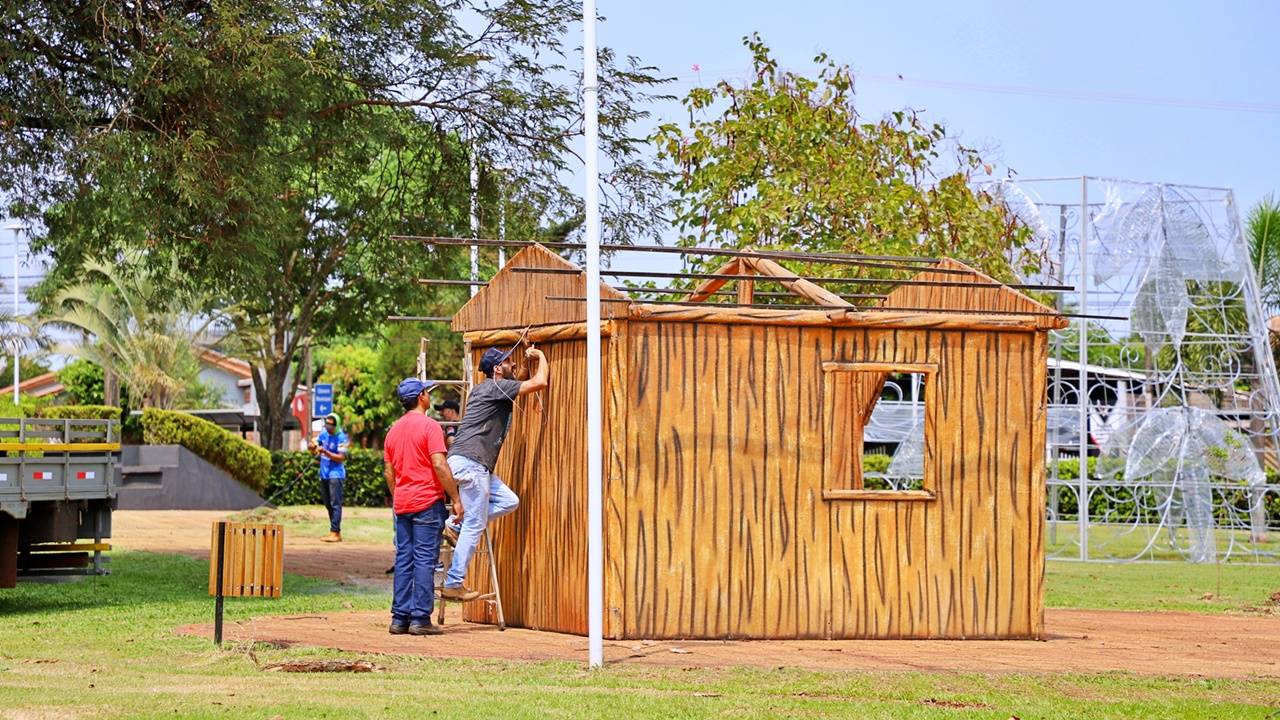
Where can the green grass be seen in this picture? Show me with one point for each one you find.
(1150, 542)
(105, 647)
(1162, 586)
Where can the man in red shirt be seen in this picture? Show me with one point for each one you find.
(418, 478)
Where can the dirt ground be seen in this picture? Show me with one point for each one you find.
(187, 532)
(1081, 641)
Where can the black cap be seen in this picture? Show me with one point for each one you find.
(448, 405)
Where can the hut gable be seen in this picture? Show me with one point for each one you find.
(517, 299)
(986, 295)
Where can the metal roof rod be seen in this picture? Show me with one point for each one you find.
(767, 278)
(855, 308)
(829, 258)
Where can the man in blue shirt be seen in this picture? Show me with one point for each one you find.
(331, 447)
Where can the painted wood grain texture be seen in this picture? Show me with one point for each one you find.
(719, 433)
(727, 533)
(514, 300)
(541, 547)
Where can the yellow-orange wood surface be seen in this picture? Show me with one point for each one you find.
(252, 560)
(718, 439)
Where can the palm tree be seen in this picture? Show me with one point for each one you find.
(140, 328)
(1264, 250)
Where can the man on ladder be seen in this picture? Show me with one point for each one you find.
(474, 454)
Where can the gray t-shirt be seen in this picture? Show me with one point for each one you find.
(485, 422)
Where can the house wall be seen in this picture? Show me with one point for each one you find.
(226, 383)
(719, 526)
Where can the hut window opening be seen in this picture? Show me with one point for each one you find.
(880, 458)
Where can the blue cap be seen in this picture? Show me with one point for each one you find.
(410, 388)
(492, 358)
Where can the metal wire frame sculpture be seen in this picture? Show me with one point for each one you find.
(1177, 408)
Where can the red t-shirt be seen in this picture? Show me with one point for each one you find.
(410, 443)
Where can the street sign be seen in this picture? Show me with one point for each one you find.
(322, 400)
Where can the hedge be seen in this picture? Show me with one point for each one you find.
(295, 479)
(80, 412)
(245, 461)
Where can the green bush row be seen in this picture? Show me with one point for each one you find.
(245, 461)
(295, 479)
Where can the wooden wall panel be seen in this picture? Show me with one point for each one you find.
(541, 547)
(715, 522)
(735, 482)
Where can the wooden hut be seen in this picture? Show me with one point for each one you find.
(734, 498)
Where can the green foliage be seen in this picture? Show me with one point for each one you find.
(141, 329)
(271, 147)
(1263, 237)
(80, 412)
(364, 389)
(295, 479)
(789, 162)
(245, 461)
(83, 381)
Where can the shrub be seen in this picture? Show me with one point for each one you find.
(245, 461)
(295, 479)
(80, 412)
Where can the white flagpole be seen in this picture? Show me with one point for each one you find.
(595, 451)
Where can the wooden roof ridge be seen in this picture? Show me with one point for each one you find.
(483, 310)
(750, 267)
(988, 294)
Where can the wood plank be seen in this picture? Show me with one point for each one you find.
(804, 288)
(917, 320)
(707, 288)
(536, 334)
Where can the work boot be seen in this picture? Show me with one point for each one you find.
(398, 628)
(333, 537)
(458, 594)
(425, 629)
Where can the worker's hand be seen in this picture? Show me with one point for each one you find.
(534, 352)
(457, 510)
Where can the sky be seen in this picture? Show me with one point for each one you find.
(1176, 92)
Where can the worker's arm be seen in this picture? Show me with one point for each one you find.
(445, 476)
(341, 455)
(389, 473)
(540, 376)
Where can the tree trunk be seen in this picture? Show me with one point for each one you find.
(110, 388)
(274, 399)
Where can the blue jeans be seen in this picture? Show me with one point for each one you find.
(484, 496)
(331, 496)
(413, 591)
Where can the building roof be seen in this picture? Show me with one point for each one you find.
(39, 386)
(537, 287)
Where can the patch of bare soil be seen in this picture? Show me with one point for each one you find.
(187, 532)
(1079, 641)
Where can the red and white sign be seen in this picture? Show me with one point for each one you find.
(83, 475)
(42, 475)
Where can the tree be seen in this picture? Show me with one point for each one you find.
(1263, 237)
(363, 390)
(273, 146)
(138, 328)
(790, 163)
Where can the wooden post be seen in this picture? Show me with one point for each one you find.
(746, 291)
(218, 551)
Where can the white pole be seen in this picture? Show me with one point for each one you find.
(16, 378)
(475, 219)
(595, 451)
(502, 219)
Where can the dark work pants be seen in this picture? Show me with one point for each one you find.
(331, 496)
